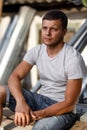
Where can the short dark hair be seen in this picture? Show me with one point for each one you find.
(56, 15)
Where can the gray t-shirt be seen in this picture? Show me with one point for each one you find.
(54, 72)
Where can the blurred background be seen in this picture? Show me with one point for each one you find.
(20, 30)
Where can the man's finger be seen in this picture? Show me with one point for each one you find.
(33, 116)
(16, 119)
(27, 119)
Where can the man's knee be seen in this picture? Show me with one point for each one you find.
(39, 127)
(2, 94)
(45, 124)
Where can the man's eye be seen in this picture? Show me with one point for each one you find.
(54, 29)
(44, 28)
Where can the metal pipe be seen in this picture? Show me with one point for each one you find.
(78, 34)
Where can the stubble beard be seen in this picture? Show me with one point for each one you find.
(55, 44)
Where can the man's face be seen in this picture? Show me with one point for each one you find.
(52, 33)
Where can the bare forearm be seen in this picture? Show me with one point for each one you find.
(58, 109)
(14, 85)
(54, 110)
(14, 81)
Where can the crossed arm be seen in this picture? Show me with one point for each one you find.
(23, 113)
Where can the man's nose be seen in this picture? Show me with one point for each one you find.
(48, 32)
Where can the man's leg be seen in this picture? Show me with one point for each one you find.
(2, 100)
(55, 122)
(28, 98)
(51, 123)
(8, 100)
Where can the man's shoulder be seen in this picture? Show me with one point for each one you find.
(71, 54)
(70, 50)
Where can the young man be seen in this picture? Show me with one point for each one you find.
(61, 70)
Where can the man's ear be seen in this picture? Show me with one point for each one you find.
(64, 31)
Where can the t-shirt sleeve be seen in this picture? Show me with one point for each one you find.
(75, 67)
(30, 56)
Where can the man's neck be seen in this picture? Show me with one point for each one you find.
(54, 50)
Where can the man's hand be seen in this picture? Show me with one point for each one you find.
(37, 115)
(21, 119)
(22, 114)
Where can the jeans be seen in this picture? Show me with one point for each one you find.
(38, 102)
